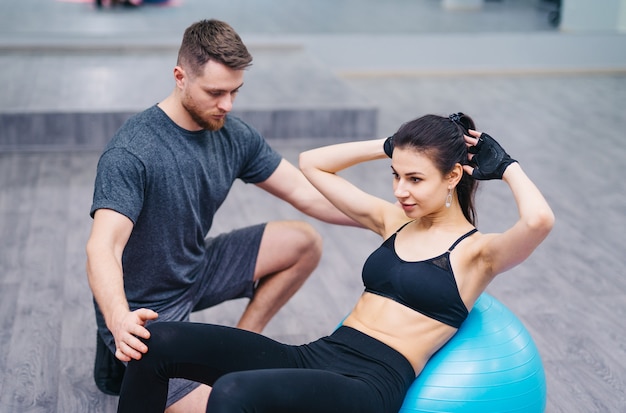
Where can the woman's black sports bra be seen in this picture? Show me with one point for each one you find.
(427, 286)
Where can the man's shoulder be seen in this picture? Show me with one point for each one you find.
(152, 116)
(136, 128)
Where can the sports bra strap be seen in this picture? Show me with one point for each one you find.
(403, 225)
(461, 238)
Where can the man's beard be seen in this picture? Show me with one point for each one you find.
(205, 123)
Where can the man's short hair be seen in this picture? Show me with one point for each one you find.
(212, 40)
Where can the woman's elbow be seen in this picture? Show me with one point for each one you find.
(305, 162)
(542, 221)
(303, 158)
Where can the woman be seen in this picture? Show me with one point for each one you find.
(420, 284)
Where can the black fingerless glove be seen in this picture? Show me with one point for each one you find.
(490, 159)
(388, 146)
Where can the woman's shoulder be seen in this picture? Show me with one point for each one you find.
(394, 224)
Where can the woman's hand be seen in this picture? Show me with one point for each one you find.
(488, 160)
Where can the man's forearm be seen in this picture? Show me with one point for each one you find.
(107, 286)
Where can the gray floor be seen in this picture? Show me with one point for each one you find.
(559, 115)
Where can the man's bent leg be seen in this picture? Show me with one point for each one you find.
(288, 254)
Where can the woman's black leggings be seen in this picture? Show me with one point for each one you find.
(345, 372)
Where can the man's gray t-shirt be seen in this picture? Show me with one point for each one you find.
(170, 182)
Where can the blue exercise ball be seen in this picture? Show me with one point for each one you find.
(491, 365)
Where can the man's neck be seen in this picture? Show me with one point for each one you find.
(176, 112)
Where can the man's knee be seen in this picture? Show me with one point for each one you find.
(307, 249)
(303, 237)
(312, 243)
(292, 240)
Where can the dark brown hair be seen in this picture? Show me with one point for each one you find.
(212, 40)
(441, 138)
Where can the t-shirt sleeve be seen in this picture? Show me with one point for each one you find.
(262, 159)
(120, 184)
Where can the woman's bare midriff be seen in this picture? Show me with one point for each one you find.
(414, 335)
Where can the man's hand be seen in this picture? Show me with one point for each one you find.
(126, 329)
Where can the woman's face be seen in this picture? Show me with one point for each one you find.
(417, 184)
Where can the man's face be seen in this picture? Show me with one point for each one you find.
(208, 97)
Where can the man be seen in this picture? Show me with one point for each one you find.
(158, 185)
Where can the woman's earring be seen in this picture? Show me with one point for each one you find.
(449, 198)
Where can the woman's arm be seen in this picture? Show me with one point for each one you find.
(320, 166)
(501, 252)
(289, 184)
